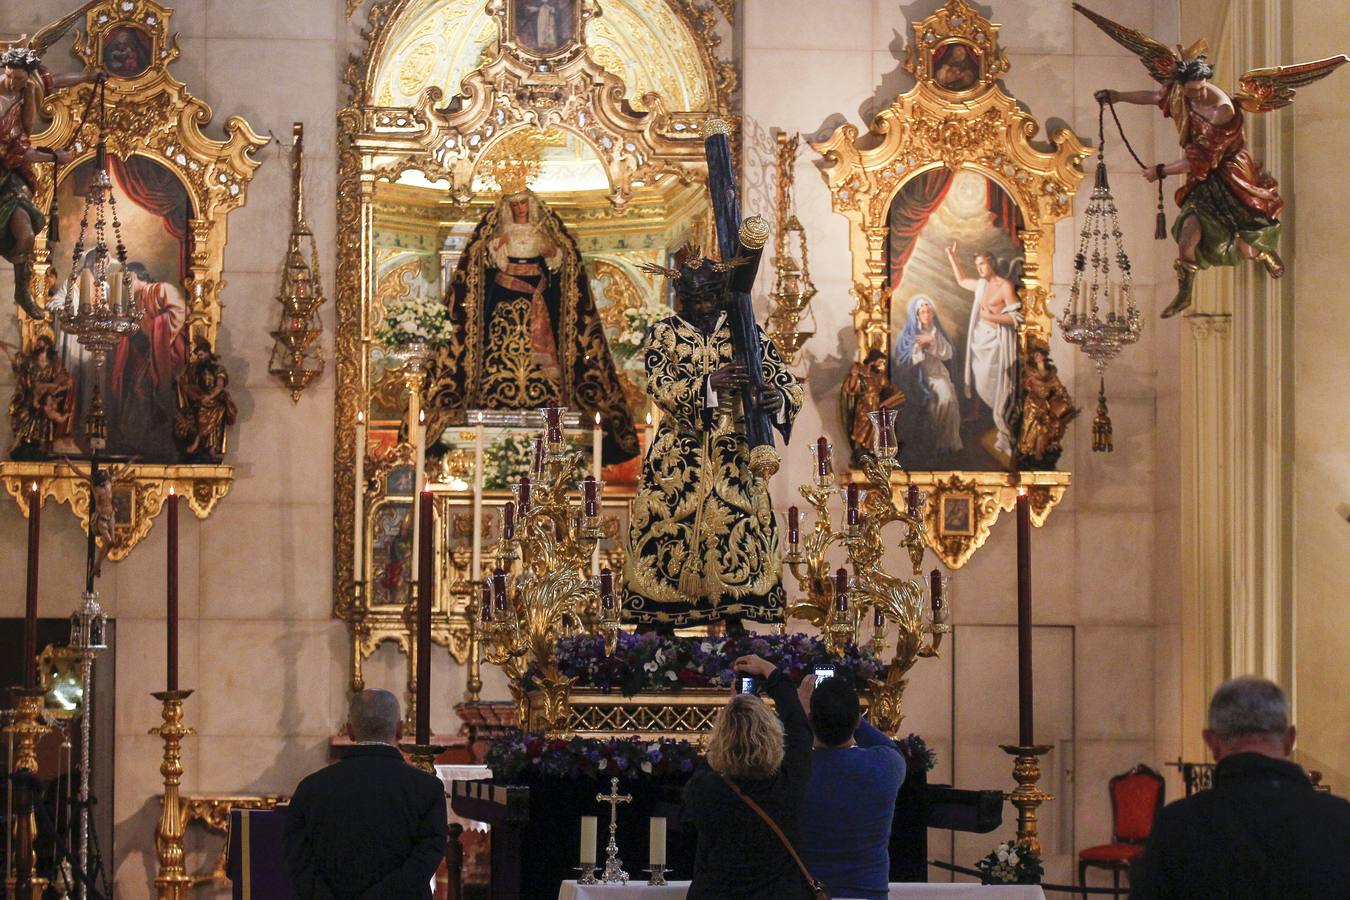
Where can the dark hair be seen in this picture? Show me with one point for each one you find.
(1196, 69)
(834, 711)
(139, 270)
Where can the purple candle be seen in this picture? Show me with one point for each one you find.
(538, 465)
(822, 457)
(30, 651)
(486, 600)
(852, 504)
(589, 489)
(794, 525)
(607, 589)
(171, 619)
(886, 429)
(426, 589)
(553, 419)
(499, 590)
(912, 501)
(509, 520)
(523, 495)
(841, 589)
(878, 620)
(935, 591)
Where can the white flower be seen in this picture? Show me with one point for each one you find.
(649, 666)
(646, 767)
(706, 646)
(672, 676)
(1012, 858)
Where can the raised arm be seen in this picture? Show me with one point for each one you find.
(796, 729)
(967, 283)
(1140, 98)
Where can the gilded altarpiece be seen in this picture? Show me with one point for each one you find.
(597, 107)
(176, 188)
(951, 211)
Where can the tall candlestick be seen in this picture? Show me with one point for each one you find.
(823, 464)
(30, 667)
(841, 589)
(476, 564)
(588, 833)
(359, 519)
(657, 850)
(419, 480)
(171, 642)
(426, 588)
(1024, 695)
(794, 525)
(852, 504)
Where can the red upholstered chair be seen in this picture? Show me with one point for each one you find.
(1136, 797)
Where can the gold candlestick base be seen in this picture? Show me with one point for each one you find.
(26, 729)
(423, 755)
(172, 881)
(1028, 796)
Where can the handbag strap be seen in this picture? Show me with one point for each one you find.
(782, 838)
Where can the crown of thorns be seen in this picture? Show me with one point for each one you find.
(698, 273)
(20, 58)
(1193, 69)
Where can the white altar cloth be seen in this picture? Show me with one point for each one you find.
(449, 775)
(676, 890)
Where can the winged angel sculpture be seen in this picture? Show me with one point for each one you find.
(1230, 206)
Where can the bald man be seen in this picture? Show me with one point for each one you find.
(370, 826)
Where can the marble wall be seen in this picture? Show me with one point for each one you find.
(259, 643)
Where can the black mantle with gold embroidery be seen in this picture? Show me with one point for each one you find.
(703, 544)
(477, 370)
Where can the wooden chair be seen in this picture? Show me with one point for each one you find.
(1136, 797)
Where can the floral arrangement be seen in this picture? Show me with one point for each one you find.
(650, 661)
(627, 345)
(519, 755)
(418, 318)
(917, 752)
(504, 461)
(1011, 863)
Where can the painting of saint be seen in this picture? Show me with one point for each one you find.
(138, 389)
(955, 517)
(545, 26)
(126, 52)
(956, 66)
(391, 553)
(955, 261)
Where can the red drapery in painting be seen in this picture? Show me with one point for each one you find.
(909, 213)
(1007, 215)
(158, 191)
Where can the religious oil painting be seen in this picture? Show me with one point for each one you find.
(956, 514)
(138, 388)
(954, 263)
(545, 26)
(391, 525)
(126, 51)
(956, 66)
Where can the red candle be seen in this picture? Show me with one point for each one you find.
(172, 617)
(841, 589)
(822, 457)
(499, 590)
(486, 601)
(852, 506)
(553, 419)
(912, 501)
(509, 520)
(523, 495)
(935, 591)
(538, 465)
(1024, 695)
(607, 589)
(30, 670)
(426, 587)
(794, 525)
(589, 488)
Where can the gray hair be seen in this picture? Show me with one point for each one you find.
(1248, 706)
(374, 716)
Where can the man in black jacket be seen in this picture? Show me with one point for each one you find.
(369, 827)
(1261, 831)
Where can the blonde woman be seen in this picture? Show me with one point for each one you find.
(752, 755)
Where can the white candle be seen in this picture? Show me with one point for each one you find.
(650, 432)
(478, 500)
(588, 825)
(657, 856)
(359, 524)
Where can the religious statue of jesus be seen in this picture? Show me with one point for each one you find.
(703, 544)
(526, 330)
(991, 341)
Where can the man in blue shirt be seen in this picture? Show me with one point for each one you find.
(856, 773)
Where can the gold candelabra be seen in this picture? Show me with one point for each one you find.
(172, 882)
(296, 359)
(842, 607)
(1028, 796)
(541, 591)
(792, 286)
(25, 728)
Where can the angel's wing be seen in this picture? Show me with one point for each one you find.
(1159, 59)
(50, 34)
(1262, 90)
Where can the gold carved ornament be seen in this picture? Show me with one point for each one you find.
(447, 138)
(151, 114)
(962, 123)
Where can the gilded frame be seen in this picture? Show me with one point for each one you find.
(155, 115)
(444, 137)
(981, 129)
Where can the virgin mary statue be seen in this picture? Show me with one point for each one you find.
(526, 330)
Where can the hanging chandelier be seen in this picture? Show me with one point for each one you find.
(1101, 316)
(297, 358)
(792, 286)
(106, 311)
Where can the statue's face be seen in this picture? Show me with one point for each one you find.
(1195, 90)
(701, 307)
(520, 210)
(925, 315)
(984, 266)
(12, 79)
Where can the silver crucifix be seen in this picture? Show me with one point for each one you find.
(614, 872)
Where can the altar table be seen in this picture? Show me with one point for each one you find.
(676, 890)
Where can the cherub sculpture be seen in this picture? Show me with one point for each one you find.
(205, 409)
(1230, 206)
(24, 82)
(41, 410)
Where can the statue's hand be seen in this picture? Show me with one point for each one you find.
(729, 377)
(1105, 96)
(1150, 173)
(769, 399)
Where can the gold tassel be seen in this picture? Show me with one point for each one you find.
(1160, 227)
(1101, 424)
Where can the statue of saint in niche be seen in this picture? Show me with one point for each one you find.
(526, 329)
